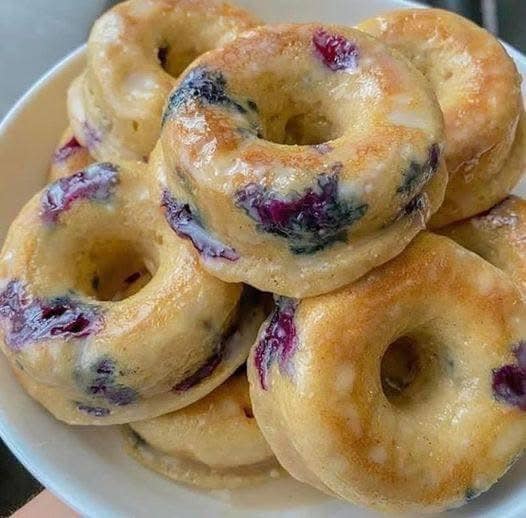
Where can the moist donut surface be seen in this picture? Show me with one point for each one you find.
(135, 52)
(414, 399)
(269, 146)
(478, 87)
(214, 443)
(499, 236)
(105, 314)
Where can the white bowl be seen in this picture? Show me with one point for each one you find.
(86, 467)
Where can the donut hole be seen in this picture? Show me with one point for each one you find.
(301, 124)
(306, 129)
(174, 59)
(399, 367)
(295, 103)
(113, 269)
(414, 368)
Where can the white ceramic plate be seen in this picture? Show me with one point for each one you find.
(86, 467)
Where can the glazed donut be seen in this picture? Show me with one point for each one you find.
(214, 443)
(499, 236)
(478, 88)
(69, 157)
(105, 314)
(420, 425)
(135, 52)
(262, 153)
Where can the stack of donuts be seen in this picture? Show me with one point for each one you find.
(360, 175)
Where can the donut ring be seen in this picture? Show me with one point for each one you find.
(268, 165)
(499, 236)
(214, 443)
(88, 270)
(69, 156)
(432, 437)
(135, 51)
(478, 87)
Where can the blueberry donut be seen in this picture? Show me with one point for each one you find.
(478, 88)
(415, 398)
(105, 314)
(69, 157)
(135, 52)
(499, 236)
(214, 443)
(311, 153)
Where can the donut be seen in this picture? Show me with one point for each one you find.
(105, 314)
(135, 52)
(404, 391)
(478, 87)
(69, 157)
(311, 153)
(214, 443)
(499, 236)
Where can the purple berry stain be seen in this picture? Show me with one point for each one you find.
(101, 382)
(509, 381)
(336, 51)
(278, 342)
(95, 183)
(203, 86)
(187, 225)
(417, 175)
(69, 148)
(94, 411)
(210, 364)
(309, 221)
(203, 372)
(28, 320)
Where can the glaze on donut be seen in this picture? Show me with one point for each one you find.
(499, 236)
(135, 52)
(406, 390)
(478, 87)
(214, 443)
(69, 157)
(260, 149)
(105, 314)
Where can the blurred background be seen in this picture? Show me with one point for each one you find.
(63, 26)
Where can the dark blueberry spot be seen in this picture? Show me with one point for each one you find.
(101, 381)
(509, 381)
(92, 136)
(162, 55)
(278, 341)
(210, 364)
(470, 494)
(417, 204)
(309, 221)
(252, 105)
(322, 149)
(68, 149)
(203, 86)
(28, 320)
(187, 225)
(336, 51)
(95, 411)
(520, 354)
(203, 372)
(97, 182)
(248, 412)
(417, 175)
(134, 277)
(139, 440)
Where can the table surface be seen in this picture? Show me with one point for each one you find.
(56, 28)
